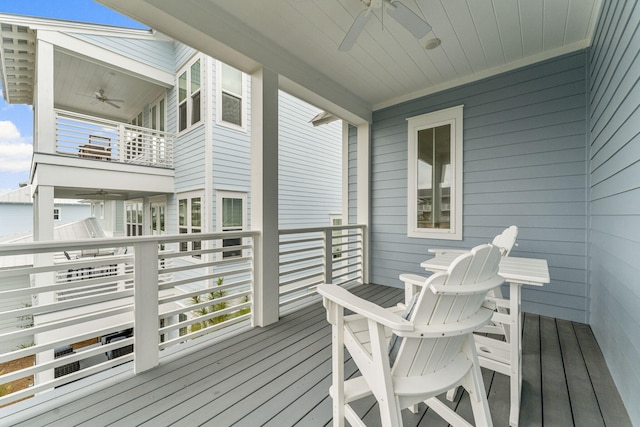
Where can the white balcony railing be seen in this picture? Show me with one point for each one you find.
(89, 311)
(87, 306)
(312, 256)
(95, 138)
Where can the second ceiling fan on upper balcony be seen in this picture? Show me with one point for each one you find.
(102, 97)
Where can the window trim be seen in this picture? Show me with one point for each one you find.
(454, 117)
(222, 194)
(243, 101)
(135, 224)
(189, 195)
(56, 213)
(186, 68)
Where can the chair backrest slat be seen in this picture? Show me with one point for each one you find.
(506, 240)
(418, 356)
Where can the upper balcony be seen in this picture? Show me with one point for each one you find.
(93, 157)
(94, 138)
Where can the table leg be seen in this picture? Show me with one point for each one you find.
(515, 334)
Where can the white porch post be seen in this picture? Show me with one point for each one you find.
(264, 194)
(44, 116)
(145, 312)
(362, 200)
(42, 231)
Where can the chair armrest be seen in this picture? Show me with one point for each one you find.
(365, 308)
(476, 288)
(466, 326)
(413, 279)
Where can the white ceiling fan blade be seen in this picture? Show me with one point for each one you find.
(405, 17)
(112, 103)
(355, 30)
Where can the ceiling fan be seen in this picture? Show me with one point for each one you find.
(102, 97)
(100, 193)
(398, 11)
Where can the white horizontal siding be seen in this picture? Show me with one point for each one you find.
(524, 164)
(614, 152)
(310, 166)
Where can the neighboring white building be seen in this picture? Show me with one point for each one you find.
(16, 211)
(155, 135)
(146, 127)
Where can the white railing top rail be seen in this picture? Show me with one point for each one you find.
(70, 245)
(318, 229)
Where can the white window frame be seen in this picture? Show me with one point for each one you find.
(56, 214)
(190, 95)
(189, 196)
(224, 194)
(243, 101)
(137, 207)
(454, 117)
(101, 210)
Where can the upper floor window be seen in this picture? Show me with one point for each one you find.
(231, 96)
(189, 95)
(435, 175)
(190, 220)
(56, 214)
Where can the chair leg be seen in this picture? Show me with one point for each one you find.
(474, 385)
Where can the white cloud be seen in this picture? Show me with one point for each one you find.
(15, 150)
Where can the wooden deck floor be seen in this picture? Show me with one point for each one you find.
(280, 375)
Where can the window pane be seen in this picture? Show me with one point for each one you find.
(231, 109)
(184, 246)
(195, 213)
(182, 213)
(232, 242)
(161, 113)
(195, 108)
(182, 87)
(231, 212)
(182, 116)
(154, 117)
(195, 76)
(434, 177)
(231, 80)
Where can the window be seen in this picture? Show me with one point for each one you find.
(337, 238)
(56, 214)
(190, 220)
(101, 210)
(435, 175)
(133, 218)
(157, 118)
(231, 217)
(231, 100)
(189, 99)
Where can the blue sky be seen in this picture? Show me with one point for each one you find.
(16, 121)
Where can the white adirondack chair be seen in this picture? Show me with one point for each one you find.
(432, 348)
(505, 241)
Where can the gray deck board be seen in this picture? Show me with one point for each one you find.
(280, 376)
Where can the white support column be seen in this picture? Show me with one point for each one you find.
(43, 231)
(264, 194)
(145, 311)
(345, 172)
(364, 137)
(44, 117)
